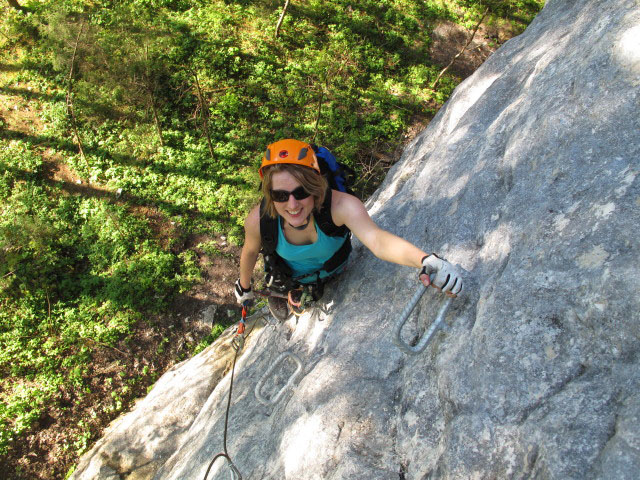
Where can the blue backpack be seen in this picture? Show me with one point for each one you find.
(338, 175)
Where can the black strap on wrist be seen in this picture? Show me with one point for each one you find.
(241, 288)
(424, 269)
(429, 255)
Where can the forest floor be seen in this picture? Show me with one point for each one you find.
(44, 454)
(157, 344)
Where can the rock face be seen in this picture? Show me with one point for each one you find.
(528, 179)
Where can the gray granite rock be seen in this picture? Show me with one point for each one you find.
(527, 178)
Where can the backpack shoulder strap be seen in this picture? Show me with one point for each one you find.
(268, 231)
(325, 221)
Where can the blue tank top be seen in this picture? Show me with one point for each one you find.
(306, 260)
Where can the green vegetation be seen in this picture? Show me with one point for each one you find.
(165, 106)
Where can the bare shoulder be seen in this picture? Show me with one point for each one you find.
(345, 206)
(342, 200)
(252, 222)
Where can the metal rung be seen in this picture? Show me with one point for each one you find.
(404, 316)
(270, 370)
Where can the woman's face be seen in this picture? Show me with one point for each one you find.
(293, 211)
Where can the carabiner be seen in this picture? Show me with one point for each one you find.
(235, 474)
(294, 376)
(237, 342)
(404, 316)
(233, 470)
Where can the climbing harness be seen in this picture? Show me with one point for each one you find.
(428, 336)
(299, 299)
(270, 293)
(292, 379)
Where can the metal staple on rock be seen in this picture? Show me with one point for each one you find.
(404, 316)
(292, 379)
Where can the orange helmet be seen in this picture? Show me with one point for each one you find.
(290, 151)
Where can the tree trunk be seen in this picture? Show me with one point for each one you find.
(284, 11)
(204, 109)
(156, 119)
(435, 83)
(150, 87)
(16, 5)
(70, 110)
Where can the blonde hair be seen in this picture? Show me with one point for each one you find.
(309, 179)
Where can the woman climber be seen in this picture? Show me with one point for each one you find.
(303, 229)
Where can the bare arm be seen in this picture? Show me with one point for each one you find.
(348, 210)
(251, 248)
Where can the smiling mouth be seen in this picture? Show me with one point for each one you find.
(293, 213)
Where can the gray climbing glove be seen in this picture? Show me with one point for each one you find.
(242, 295)
(447, 278)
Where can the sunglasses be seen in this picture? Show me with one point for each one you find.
(283, 196)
